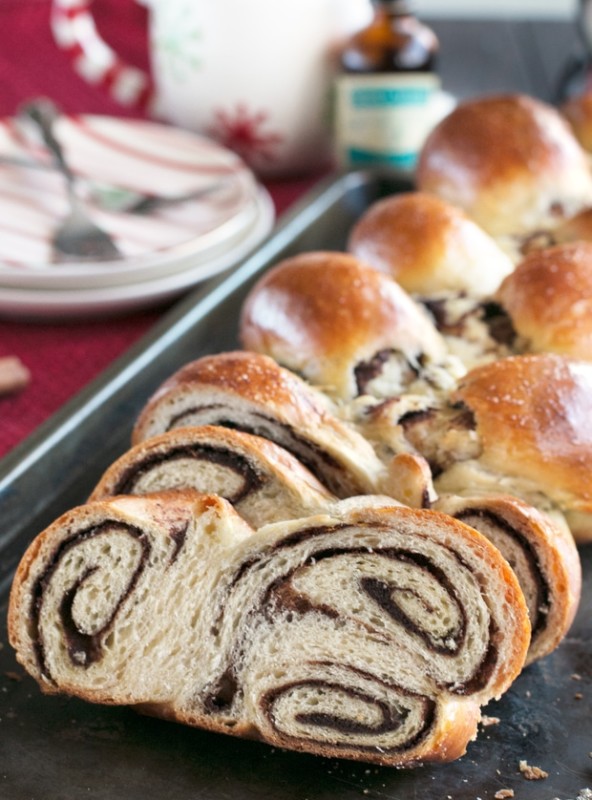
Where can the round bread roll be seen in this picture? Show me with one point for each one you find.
(339, 323)
(428, 246)
(532, 417)
(549, 300)
(510, 161)
(368, 633)
(578, 112)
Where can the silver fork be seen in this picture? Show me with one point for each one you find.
(77, 237)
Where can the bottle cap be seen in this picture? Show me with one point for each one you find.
(396, 6)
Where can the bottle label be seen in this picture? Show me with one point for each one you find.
(384, 119)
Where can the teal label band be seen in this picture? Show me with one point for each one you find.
(368, 158)
(381, 97)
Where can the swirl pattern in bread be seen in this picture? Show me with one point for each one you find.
(542, 553)
(251, 393)
(374, 634)
(263, 481)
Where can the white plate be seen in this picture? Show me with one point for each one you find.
(142, 156)
(100, 301)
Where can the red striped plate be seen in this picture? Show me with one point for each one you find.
(144, 157)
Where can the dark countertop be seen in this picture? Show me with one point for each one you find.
(480, 56)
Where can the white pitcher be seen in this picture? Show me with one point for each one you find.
(255, 75)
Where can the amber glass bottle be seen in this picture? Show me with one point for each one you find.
(385, 89)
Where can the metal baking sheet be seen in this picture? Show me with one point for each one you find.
(55, 748)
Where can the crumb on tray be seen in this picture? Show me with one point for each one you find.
(532, 773)
(487, 722)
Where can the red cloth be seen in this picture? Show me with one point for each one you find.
(63, 357)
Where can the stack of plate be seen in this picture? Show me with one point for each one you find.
(164, 251)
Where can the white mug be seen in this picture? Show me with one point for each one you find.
(255, 75)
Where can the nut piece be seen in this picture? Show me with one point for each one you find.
(14, 376)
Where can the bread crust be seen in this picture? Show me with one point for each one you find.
(510, 161)
(323, 313)
(549, 300)
(251, 376)
(428, 246)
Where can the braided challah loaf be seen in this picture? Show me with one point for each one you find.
(266, 484)
(371, 634)
(409, 435)
(247, 566)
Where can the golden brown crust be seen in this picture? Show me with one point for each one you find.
(578, 112)
(322, 313)
(252, 376)
(549, 300)
(455, 725)
(532, 415)
(510, 161)
(428, 246)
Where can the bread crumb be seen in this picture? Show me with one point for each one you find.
(578, 696)
(503, 794)
(532, 773)
(576, 677)
(488, 721)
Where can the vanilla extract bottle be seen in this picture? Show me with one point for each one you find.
(385, 89)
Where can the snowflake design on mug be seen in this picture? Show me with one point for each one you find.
(177, 40)
(242, 130)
